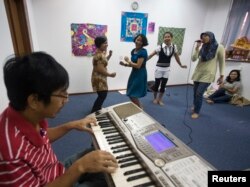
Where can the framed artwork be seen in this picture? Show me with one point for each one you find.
(178, 36)
(83, 37)
(133, 24)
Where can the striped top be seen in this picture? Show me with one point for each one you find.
(26, 157)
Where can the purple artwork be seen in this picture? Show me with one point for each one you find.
(151, 27)
(83, 36)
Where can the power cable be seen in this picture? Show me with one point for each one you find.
(187, 103)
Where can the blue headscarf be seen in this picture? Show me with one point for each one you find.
(208, 50)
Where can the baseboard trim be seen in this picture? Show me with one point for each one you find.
(173, 85)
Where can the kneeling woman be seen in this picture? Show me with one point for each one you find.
(227, 89)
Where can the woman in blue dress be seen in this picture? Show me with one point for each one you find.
(137, 82)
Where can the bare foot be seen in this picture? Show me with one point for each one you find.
(209, 101)
(194, 116)
(155, 101)
(161, 103)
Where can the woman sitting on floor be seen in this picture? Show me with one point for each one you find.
(227, 89)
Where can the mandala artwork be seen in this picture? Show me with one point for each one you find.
(132, 25)
(83, 36)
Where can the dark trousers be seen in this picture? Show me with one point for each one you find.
(88, 179)
(219, 96)
(162, 82)
(101, 96)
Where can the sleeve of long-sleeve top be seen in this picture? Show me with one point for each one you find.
(221, 59)
(195, 55)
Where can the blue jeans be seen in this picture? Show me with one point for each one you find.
(199, 90)
(220, 96)
(88, 179)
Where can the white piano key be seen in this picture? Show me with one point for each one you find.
(96, 128)
(103, 120)
(139, 181)
(122, 153)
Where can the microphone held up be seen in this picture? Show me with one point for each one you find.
(198, 41)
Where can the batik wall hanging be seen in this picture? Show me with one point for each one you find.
(178, 36)
(83, 37)
(133, 24)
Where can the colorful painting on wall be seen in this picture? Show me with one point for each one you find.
(178, 36)
(133, 24)
(83, 36)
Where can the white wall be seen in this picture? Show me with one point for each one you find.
(6, 49)
(52, 21)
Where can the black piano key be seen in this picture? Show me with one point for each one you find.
(112, 136)
(129, 164)
(115, 141)
(119, 146)
(137, 177)
(100, 118)
(126, 160)
(121, 150)
(110, 132)
(109, 129)
(98, 112)
(105, 123)
(124, 155)
(133, 171)
(106, 126)
(115, 138)
(145, 184)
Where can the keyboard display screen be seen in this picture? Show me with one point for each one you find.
(159, 142)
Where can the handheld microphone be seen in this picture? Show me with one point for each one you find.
(197, 40)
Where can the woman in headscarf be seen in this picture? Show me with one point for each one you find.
(209, 53)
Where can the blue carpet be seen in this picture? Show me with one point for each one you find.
(221, 135)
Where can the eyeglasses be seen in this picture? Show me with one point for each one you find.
(61, 96)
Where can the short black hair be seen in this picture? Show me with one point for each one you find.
(37, 73)
(144, 39)
(170, 33)
(99, 40)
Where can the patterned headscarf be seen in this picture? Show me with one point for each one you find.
(208, 50)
